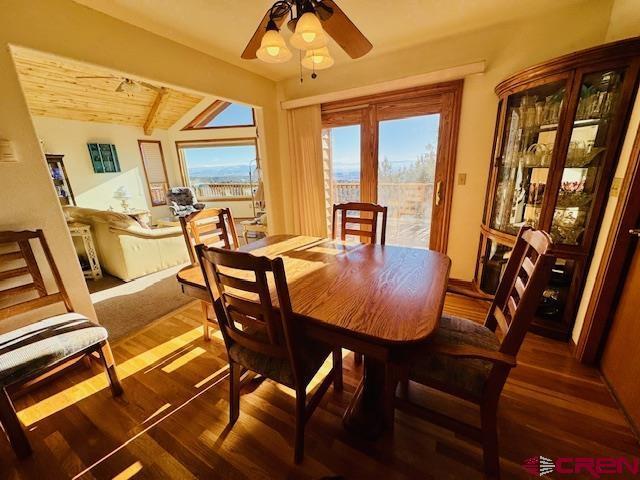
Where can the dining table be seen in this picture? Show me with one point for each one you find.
(378, 300)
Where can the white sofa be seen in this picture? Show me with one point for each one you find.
(127, 249)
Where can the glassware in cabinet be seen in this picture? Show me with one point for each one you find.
(528, 143)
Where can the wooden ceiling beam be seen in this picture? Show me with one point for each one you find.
(156, 108)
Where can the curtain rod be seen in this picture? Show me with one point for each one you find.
(444, 75)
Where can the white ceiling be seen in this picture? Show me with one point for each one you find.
(222, 28)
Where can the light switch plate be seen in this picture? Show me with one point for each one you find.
(462, 179)
(7, 154)
(615, 187)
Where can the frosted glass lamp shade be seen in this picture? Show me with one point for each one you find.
(273, 49)
(319, 59)
(309, 33)
(122, 193)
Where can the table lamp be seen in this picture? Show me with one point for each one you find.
(123, 195)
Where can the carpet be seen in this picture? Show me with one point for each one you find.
(125, 307)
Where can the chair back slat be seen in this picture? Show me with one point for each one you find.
(239, 281)
(368, 216)
(22, 287)
(213, 227)
(525, 277)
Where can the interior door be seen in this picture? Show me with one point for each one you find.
(620, 361)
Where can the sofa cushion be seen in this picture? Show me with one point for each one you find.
(463, 374)
(313, 356)
(35, 347)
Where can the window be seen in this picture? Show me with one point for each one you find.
(154, 170)
(221, 114)
(217, 169)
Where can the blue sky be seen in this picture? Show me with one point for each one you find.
(234, 114)
(227, 156)
(400, 141)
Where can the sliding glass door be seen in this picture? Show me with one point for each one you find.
(397, 150)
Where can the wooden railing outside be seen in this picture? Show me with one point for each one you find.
(412, 199)
(210, 191)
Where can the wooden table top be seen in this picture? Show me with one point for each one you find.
(385, 294)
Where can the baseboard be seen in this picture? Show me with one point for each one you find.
(468, 289)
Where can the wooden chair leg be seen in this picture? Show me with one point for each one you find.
(491, 455)
(357, 358)
(337, 370)
(235, 371)
(106, 357)
(301, 417)
(205, 320)
(12, 427)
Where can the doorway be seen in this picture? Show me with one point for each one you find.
(398, 150)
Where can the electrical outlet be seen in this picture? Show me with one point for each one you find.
(6, 151)
(462, 179)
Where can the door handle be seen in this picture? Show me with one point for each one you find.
(438, 193)
(635, 231)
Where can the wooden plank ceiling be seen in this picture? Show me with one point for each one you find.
(52, 89)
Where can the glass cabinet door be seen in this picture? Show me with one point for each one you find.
(597, 107)
(527, 148)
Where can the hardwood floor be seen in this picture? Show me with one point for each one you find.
(172, 420)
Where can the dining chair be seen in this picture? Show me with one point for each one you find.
(44, 346)
(212, 227)
(370, 219)
(262, 339)
(468, 360)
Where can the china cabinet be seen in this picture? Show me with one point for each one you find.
(558, 136)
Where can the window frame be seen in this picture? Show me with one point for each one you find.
(146, 174)
(209, 113)
(208, 143)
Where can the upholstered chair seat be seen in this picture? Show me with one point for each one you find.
(313, 355)
(38, 346)
(466, 375)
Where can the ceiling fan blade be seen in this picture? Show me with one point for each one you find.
(344, 32)
(254, 44)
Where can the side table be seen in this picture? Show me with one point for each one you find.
(83, 231)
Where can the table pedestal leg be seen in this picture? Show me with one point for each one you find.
(370, 412)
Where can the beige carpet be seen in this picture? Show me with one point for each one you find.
(126, 307)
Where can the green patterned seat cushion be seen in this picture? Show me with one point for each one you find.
(30, 349)
(463, 374)
(313, 356)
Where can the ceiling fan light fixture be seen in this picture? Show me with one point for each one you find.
(309, 34)
(319, 59)
(273, 48)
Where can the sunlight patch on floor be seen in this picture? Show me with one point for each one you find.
(129, 472)
(86, 388)
(184, 359)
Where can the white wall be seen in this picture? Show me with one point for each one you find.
(95, 190)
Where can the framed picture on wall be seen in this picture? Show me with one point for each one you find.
(104, 157)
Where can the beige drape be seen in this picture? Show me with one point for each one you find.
(307, 207)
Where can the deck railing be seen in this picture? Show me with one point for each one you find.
(403, 198)
(240, 190)
(412, 199)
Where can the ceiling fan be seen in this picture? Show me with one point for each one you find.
(126, 85)
(310, 21)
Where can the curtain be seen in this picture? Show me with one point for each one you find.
(308, 216)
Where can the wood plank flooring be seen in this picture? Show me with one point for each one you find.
(172, 420)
